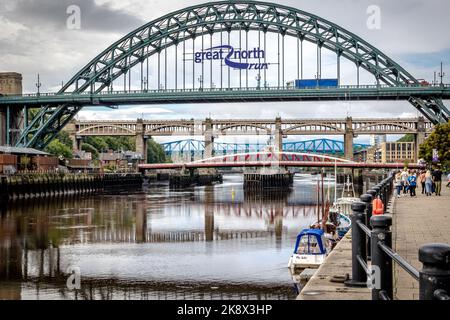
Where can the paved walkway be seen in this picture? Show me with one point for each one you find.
(417, 221)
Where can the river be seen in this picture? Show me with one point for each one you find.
(213, 242)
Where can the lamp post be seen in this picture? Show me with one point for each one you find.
(38, 85)
(441, 75)
(200, 80)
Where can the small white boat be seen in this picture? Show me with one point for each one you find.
(311, 249)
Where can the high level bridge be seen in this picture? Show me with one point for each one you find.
(224, 51)
(278, 128)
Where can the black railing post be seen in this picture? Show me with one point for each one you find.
(435, 273)
(377, 190)
(359, 275)
(381, 263)
(367, 199)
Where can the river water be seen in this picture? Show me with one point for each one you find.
(213, 242)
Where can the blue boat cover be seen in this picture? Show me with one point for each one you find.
(317, 233)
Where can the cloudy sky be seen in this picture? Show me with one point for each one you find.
(34, 38)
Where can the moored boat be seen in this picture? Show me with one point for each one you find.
(311, 249)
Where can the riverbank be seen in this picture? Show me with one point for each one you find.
(416, 221)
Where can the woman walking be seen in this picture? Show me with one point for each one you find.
(398, 184)
(428, 183)
(422, 180)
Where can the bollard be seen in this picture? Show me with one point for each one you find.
(359, 275)
(435, 274)
(377, 190)
(381, 263)
(367, 199)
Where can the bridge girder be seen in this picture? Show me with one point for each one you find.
(210, 18)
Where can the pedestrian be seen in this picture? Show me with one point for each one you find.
(448, 180)
(428, 182)
(398, 184)
(405, 181)
(422, 180)
(437, 179)
(412, 183)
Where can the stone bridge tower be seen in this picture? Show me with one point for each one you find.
(11, 118)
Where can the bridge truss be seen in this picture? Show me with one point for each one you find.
(197, 147)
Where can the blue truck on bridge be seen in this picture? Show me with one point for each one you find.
(314, 83)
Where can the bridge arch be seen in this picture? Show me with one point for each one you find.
(396, 126)
(268, 156)
(322, 127)
(207, 19)
(98, 127)
(227, 16)
(224, 129)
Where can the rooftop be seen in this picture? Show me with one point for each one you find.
(30, 151)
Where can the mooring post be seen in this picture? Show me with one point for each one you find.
(381, 264)
(359, 275)
(434, 278)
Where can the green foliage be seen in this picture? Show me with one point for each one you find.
(98, 143)
(64, 138)
(406, 138)
(103, 144)
(90, 148)
(155, 152)
(439, 140)
(59, 149)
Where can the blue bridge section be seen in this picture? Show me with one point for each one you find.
(191, 146)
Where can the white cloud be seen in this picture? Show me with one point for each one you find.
(133, 113)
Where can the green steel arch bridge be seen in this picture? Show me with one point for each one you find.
(223, 66)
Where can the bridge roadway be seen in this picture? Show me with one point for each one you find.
(209, 128)
(217, 95)
(304, 164)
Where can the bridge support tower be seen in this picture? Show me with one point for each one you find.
(278, 135)
(209, 139)
(71, 128)
(11, 118)
(419, 137)
(348, 139)
(141, 140)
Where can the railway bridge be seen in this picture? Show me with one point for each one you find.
(210, 129)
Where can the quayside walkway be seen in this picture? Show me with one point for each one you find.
(417, 221)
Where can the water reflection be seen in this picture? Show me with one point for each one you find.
(213, 242)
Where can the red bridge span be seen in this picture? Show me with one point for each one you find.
(275, 159)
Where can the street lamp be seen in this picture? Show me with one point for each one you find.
(38, 85)
(441, 75)
(200, 80)
(258, 79)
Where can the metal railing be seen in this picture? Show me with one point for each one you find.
(373, 257)
(268, 88)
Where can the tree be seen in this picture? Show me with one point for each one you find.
(89, 148)
(155, 152)
(439, 139)
(59, 149)
(406, 138)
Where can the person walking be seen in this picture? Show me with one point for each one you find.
(398, 184)
(422, 180)
(428, 182)
(412, 182)
(448, 179)
(405, 175)
(437, 179)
